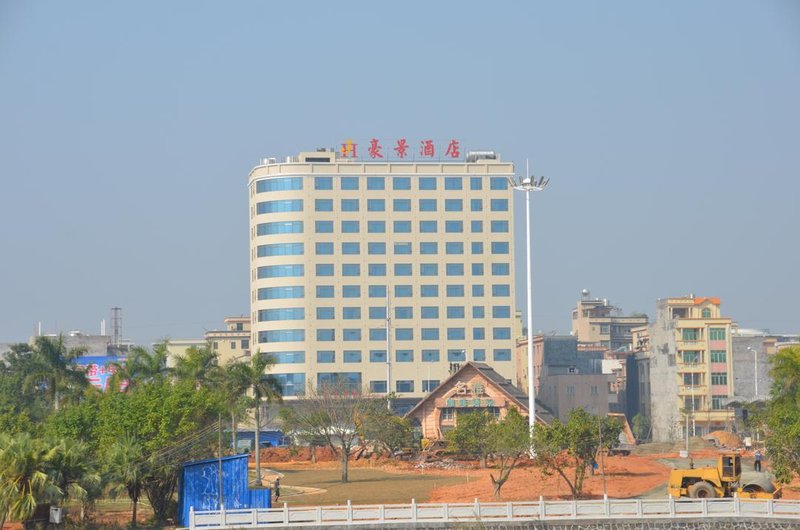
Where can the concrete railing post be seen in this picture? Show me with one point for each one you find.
(350, 511)
(318, 514)
(704, 503)
(606, 506)
(285, 513)
(574, 509)
(542, 510)
(509, 510)
(413, 510)
(222, 514)
(382, 513)
(477, 509)
(737, 504)
(770, 507)
(191, 518)
(446, 511)
(671, 506)
(638, 507)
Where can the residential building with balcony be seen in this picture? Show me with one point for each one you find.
(598, 322)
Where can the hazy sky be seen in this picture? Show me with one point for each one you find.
(671, 132)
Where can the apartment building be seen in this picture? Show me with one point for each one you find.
(598, 322)
(381, 274)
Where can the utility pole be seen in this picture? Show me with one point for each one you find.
(388, 351)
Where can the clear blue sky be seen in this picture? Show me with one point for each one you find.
(671, 132)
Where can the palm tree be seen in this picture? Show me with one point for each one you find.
(236, 399)
(126, 467)
(24, 482)
(71, 469)
(53, 370)
(786, 374)
(200, 365)
(141, 367)
(252, 378)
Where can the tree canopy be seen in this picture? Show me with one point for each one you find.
(782, 415)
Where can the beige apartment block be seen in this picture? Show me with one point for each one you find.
(596, 321)
(231, 343)
(334, 241)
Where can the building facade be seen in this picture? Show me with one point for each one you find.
(342, 251)
(598, 322)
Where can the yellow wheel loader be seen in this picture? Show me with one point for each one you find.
(724, 480)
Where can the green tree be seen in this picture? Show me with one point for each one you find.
(141, 367)
(641, 427)
(71, 469)
(510, 441)
(783, 415)
(560, 446)
(126, 469)
(237, 402)
(198, 364)
(471, 435)
(386, 428)
(253, 378)
(24, 479)
(53, 371)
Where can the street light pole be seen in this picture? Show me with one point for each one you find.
(528, 185)
(755, 363)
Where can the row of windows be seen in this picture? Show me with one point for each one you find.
(379, 205)
(279, 249)
(280, 206)
(379, 291)
(693, 334)
(404, 183)
(280, 271)
(379, 269)
(279, 184)
(398, 227)
(284, 313)
(405, 312)
(279, 227)
(377, 248)
(405, 334)
(407, 356)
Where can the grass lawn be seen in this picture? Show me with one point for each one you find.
(366, 486)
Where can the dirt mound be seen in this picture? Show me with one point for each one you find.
(296, 454)
(725, 439)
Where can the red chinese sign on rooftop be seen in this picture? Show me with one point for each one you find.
(402, 149)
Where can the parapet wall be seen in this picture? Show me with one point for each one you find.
(621, 524)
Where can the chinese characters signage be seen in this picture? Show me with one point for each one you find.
(401, 149)
(100, 369)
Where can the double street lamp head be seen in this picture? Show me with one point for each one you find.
(529, 183)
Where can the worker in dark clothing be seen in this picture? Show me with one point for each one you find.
(757, 460)
(277, 489)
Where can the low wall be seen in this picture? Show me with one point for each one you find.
(624, 524)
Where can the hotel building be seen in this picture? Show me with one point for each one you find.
(335, 241)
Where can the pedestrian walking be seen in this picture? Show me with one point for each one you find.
(757, 460)
(277, 488)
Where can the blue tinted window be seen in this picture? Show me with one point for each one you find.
(478, 311)
(455, 290)
(278, 293)
(501, 333)
(351, 249)
(349, 183)
(326, 313)
(349, 380)
(279, 184)
(287, 205)
(402, 269)
(428, 291)
(323, 183)
(499, 226)
(377, 334)
(376, 183)
(350, 227)
(477, 247)
(376, 227)
(429, 385)
(452, 183)
(477, 269)
(501, 311)
(352, 356)
(349, 205)
(377, 387)
(429, 269)
(455, 311)
(324, 291)
(326, 335)
(428, 248)
(324, 269)
(401, 205)
(281, 335)
(326, 356)
(403, 291)
(404, 385)
(279, 271)
(377, 312)
(351, 334)
(428, 311)
(324, 249)
(351, 291)
(500, 269)
(376, 205)
(377, 269)
(404, 334)
(499, 205)
(351, 313)
(401, 183)
(499, 247)
(323, 205)
(290, 384)
(402, 248)
(402, 227)
(456, 334)
(453, 205)
(404, 356)
(501, 289)
(427, 205)
(428, 227)
(476, 227)
(454, 226)
(377, 356)
(455, 356)
(478, 333)
(476, 205)
(404, 312)
(284, 313)
(454, 247)
(454, 269)
(288, 357)
(501, 354)
(477, 290)
(279, 227)
(498, 183)
(279, 249)
(430, 356)
(427, 183)
(351, 269)
(376, 248)
(479, 355)
(323, 227)
(377, 291)
(430, 333)
(475, 183)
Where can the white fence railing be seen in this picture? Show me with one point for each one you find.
(386, 514)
